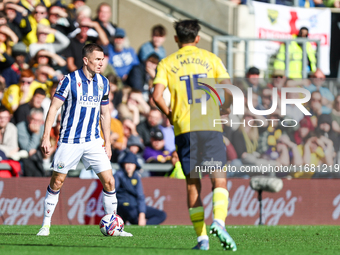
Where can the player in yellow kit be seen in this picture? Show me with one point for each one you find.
(190, 74)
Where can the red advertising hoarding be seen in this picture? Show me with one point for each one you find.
(300, 202)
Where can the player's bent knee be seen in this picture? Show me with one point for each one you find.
(57, 181)
(109, 183)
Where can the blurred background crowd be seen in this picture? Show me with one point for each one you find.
(41, 41)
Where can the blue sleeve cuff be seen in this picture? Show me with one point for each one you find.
(59, 97)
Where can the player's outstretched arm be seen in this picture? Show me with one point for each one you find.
(159, 100)
(54, 107)
(105, 121)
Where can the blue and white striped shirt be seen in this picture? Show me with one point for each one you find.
(80, 112)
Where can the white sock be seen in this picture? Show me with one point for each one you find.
(200, 238)
(51, 201)
(221, 222)
(110, 201)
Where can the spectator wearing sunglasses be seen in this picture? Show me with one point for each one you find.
(18, 94)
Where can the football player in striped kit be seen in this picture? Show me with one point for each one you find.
(83, 96)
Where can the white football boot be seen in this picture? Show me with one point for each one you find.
(44, 231)
(123, 233)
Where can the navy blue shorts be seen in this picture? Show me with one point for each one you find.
(195, 148)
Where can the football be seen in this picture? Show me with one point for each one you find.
(111, 225)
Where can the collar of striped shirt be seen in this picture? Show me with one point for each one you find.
(84, 78)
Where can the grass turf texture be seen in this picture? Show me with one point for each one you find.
(168, 240)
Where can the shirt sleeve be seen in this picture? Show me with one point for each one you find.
(161, 76)
(106, 90)
(63, 88)
(221, 71)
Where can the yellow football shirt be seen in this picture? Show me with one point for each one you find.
(13, 95)
(182, 72)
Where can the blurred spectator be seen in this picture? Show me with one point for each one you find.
(8, 133)
(44, 75)
(315, 106)
(7, 39)
(153, 120)
(245, 141)
(37, 164)
(311, 3)
(295, 57)
(2, 87)
(332, 3)
(30, 131)
(45, 57)
(141, 76)
(274, 145)
(122, 58)
(23, 111)
(129, 129)
(156, 153)
(336, 114)
(17, 19)
(134, 106)
(12, 73)
(72, 8)
(266, 99)
(18, 94)
(305, 128)
(317, 80)
(169, 135)
(59, 19)
(252, 81)
(116, 134)
(47, 101)
(73, 52)
(117, 93)
(292, 110)
(158, 35)
(104, 19)
(134, 145)
(316, 151)
(130, 195)
(61, 41)
(38, 16)
(278, 80)
(30, 4)
(325, 129)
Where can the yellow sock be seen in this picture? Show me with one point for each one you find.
(220, 203)
(197, 219)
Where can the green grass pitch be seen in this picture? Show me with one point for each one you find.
(85, 240)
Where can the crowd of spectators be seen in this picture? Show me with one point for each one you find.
(313, 141)
(41, 43)
(300, 3)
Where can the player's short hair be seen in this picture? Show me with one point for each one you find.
(39, 91)
(158, 30)
(89, 48)
(187, 30)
